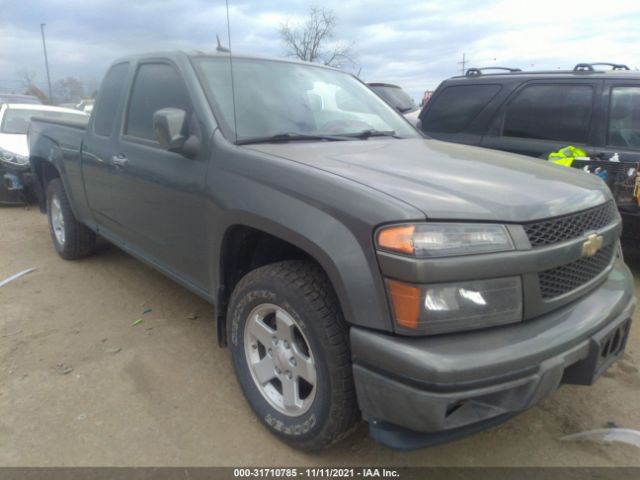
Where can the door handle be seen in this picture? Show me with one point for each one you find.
(120, 160)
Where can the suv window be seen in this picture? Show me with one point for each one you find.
(157, 86)
(550, 112)
(456, 106)
(624, 117)
(110, 94)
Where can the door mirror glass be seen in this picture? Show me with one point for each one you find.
(170, 128)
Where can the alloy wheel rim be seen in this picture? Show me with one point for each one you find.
(57, 220)
(280, 360)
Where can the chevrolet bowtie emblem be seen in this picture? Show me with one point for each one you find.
(592, 245)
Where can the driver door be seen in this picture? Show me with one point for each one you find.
(159, 194)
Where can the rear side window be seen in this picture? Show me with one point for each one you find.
(624, 117)
(109, 98)
(157, 86)
(550, 112)
(456, 106)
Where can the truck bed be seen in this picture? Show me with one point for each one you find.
(59, 142)
(44, 133)
(81, 124)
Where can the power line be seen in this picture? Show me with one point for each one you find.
(464, 63)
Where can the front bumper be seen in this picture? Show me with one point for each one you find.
(420, 391)
(15, 182)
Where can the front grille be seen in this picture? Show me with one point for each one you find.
(560, 229)
(559, 280)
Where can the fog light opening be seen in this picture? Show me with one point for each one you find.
(454, 407)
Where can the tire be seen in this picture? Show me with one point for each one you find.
(71, 239)
(295, 300)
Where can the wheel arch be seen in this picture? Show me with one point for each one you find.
(245, 247)
(43, 172)
(354, 277)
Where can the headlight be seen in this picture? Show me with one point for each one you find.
(13, 158)
(451, 307)
(425, 240)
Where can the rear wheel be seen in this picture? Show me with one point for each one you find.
(289, 346)
(71, 239)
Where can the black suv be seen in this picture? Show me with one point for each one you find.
(535, 113)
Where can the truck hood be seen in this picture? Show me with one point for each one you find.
(451, 181)
(14, 143)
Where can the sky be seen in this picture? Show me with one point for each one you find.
(415, 44)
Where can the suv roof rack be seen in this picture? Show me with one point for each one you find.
(588, 67)
(474, 72)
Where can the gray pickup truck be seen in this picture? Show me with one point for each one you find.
(358, 269)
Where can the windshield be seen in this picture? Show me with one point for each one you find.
(275, 98)
(17, 120)
(395, 96)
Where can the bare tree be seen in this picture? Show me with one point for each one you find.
(68, 90)
(313, 40)
(26, 77)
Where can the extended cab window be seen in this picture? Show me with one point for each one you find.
(456, 106)
(157, 86)
(624, 117)
(109, 99)
(550, 112)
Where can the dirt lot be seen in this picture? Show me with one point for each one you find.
(79, 385)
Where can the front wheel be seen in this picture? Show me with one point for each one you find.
(289, 346)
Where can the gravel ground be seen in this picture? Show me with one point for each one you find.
(79, 385)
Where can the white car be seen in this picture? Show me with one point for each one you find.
(14, 123)
(413, 116)
(85, 105)
(14, 151)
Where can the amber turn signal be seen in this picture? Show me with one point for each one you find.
(398, 238)
(405, 300)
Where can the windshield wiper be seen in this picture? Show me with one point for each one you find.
(363, 135)
(292, 137)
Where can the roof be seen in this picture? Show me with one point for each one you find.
(44, 108)
(19, 98)
(554, 74)
(581, 70)
(380, 84)
(175, 54)
(17, 95)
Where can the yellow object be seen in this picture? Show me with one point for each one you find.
(405, 300)
(397, 238)
(565, 156)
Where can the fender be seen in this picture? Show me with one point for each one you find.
(340, 254)
(45, 153)
(304, 206)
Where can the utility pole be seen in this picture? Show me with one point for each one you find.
(46, 60)
(464, 63)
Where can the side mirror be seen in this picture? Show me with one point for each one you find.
(170, 127)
